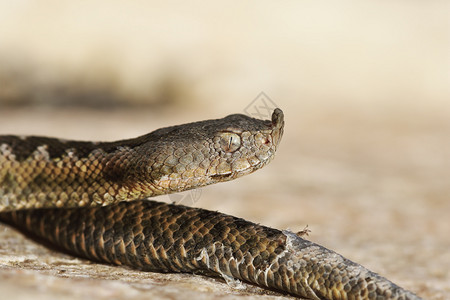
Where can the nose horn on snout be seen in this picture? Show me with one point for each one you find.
(277, 118)
(277, 125)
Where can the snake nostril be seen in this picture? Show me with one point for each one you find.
(265, 141)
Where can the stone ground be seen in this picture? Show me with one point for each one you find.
(373, 185)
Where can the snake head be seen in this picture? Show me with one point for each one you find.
(244, 146)
(197, 154)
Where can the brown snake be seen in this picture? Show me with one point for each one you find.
(74, 195)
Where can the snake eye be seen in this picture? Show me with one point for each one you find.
(230, 142)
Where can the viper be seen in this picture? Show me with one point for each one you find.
(90, 199)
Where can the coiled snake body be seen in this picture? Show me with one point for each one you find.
(85, 198)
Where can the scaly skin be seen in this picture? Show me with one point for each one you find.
(43, 172)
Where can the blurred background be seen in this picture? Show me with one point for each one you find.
(365, 87)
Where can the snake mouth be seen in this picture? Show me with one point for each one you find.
(222, 177)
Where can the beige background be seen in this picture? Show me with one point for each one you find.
(365, 160)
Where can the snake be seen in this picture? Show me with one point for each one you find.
(90, 199)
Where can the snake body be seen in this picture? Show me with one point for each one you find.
(84, 197)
